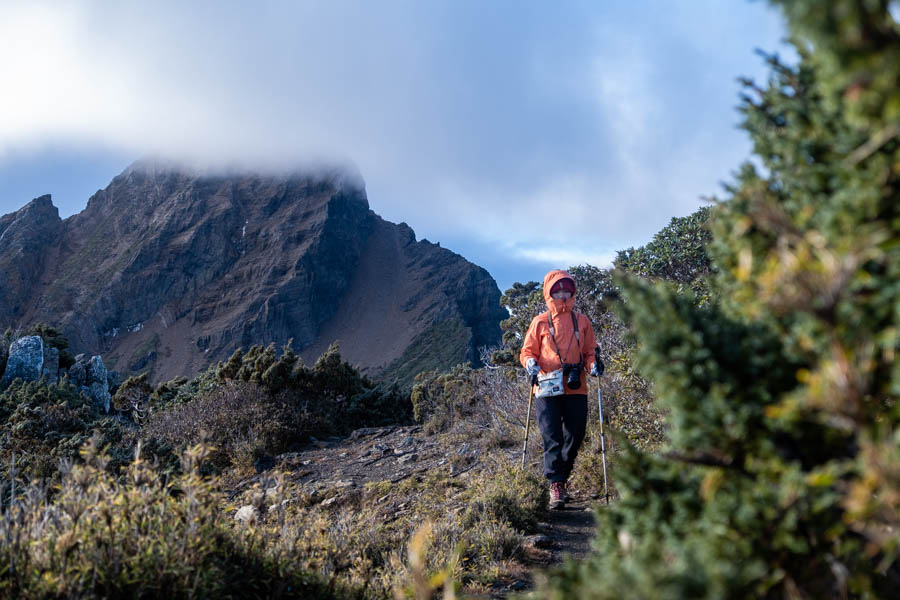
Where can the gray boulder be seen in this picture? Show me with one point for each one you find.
(78, 371)
(26, 360)
(91, 378)
(97, 372)
(97, 382)
(100, 394)
(50, 370)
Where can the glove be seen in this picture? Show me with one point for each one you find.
(594, 370)
(532, 367)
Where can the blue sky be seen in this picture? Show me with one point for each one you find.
(522, 135)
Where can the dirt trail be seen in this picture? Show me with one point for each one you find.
(571, 530)
(396, 453)
(566, 534)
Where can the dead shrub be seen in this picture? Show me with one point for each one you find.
(242, 420)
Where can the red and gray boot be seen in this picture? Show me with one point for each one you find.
(558, 495)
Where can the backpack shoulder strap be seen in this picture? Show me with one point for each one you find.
(574, 326)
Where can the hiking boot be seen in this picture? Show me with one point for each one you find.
(557, 490)
(564, 493)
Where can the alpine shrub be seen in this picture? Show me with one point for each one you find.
(781, 477)
(141, 536)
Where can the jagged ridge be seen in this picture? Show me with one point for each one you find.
(170, 270)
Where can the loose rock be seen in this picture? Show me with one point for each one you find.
(365, 432)
(407, 458)
(245, 514)
(539, 541)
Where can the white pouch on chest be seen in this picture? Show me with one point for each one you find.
(550, 384)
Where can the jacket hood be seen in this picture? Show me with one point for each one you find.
(557, 306)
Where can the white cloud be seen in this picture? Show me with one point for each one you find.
(549, 133)
(566, 256)
(560, 206)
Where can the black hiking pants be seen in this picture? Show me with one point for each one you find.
(562, 420)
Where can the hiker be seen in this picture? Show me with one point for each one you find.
(559, 350)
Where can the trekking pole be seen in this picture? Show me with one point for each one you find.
(600, 369)
(528, 419)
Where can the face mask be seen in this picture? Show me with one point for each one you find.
(561, 304)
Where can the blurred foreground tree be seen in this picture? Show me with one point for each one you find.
(781, 478)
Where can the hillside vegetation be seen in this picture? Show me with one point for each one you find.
(428, 489)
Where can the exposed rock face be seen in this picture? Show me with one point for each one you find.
(50, 368)
(28, 240)
(26, 360)
(171, 271)
(97, 386)
(91, 378)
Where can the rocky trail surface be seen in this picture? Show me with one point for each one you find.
(570, 530)
(331, 470)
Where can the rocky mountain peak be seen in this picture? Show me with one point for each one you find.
(170, 269)
(36, 217)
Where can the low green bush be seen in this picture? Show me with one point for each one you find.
(513, 496)
(53, 338)
(43, 424)
(340, 397)
(259, 404)
(441, 399)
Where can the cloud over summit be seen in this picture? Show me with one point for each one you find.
(469, 120)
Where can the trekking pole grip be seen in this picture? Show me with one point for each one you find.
(600, 366)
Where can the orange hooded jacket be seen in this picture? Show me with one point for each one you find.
(540, 346)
